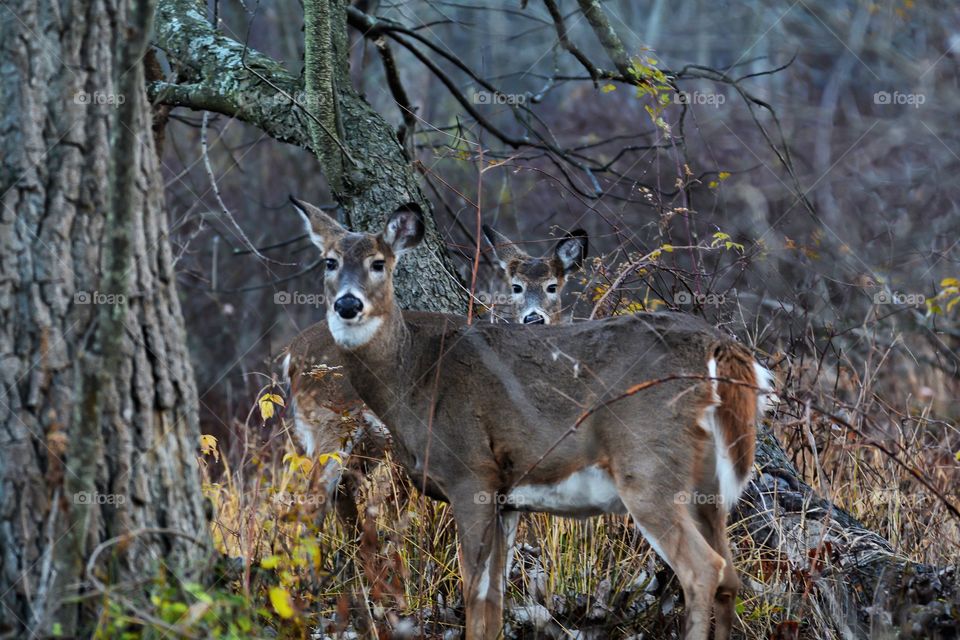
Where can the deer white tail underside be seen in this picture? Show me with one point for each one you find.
(731, 418)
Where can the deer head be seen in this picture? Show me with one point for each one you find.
(536, 284)
(358, 269)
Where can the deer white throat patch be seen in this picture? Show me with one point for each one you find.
(351, 334)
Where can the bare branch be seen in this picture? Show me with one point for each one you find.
(561, 27)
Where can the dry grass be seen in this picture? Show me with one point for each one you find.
(400, 574)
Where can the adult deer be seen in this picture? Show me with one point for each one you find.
(651, 414)
(536, 284)
(324, 403)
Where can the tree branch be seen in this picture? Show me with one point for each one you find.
(607, 36)
(561, 27)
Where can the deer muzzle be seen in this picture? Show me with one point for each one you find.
(348, 306)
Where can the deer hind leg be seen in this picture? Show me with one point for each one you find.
(511, 520)
(669, 527)
(712, 520)
(483, 548)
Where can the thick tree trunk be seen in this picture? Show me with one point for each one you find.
(98, 409)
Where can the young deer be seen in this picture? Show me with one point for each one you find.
(651, 414)
(537, 283)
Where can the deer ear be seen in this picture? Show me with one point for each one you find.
(572, 250)
(504, 250)
(404, 229)
(321, 228)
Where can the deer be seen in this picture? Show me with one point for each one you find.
(651, 414)
(536, 284)
(323, 403)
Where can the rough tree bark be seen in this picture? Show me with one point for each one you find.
(98, 409)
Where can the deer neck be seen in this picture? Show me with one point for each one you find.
(375, 367)
(378, 372)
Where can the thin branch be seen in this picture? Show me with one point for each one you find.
(561, 27)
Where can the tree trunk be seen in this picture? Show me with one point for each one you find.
(98, 409)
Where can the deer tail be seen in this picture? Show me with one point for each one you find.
(741, 388)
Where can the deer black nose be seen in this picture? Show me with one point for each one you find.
(348, 306)
(534, 318)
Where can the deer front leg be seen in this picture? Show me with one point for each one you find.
(482, 551)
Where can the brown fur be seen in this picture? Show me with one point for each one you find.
(737, 413)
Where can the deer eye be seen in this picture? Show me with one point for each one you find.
(551, 288)
(378, 265)
(332, 264)
(517, 288)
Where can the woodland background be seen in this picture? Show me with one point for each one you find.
(801, 196)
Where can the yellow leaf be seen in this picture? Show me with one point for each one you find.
(281, 601)
(607, 88)
(266, 402)
(668, 248)
(208, 446)
(323, 458)
(949, 282)
(299, 463)
(713, 184)
(723, 175)
(270, 562)
(957, 455)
